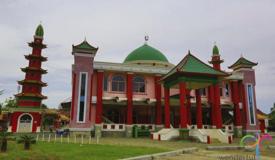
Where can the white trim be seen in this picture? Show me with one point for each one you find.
(253, 103)
(18, 120)
(85, 97)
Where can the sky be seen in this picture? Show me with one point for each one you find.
(117, 27)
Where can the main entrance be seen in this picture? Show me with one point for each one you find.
(25, 123)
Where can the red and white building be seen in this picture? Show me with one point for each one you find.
(146, 89)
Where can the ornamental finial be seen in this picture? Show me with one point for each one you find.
(189, 52)
(146, 38)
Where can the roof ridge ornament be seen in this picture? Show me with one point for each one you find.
(146, 38)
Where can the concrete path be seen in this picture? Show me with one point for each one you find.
(213, 155)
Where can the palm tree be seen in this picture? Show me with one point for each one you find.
(27, 140)
(4, 140)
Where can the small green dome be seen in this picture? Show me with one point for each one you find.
(39, 31)
(215, 50)
(146, 53)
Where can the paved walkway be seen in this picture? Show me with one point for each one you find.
(214, 155)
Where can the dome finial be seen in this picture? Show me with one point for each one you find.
(39, 32)
(146, 38)
(189, 52)
(215, 49)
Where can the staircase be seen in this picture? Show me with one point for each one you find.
(165, 134)
(206, 135)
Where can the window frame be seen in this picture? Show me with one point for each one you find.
(117, 83)
(133, 84)
(79, 97)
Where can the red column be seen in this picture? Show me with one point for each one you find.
(73, 98)
(98, 119)
(129, 99)
(183, 112)
(188, 107)
(218, 111)
(167, 107)
(212, 104)
(235, 99)
(244, 104)
(198, 109)
(91, 94)
(158, 100)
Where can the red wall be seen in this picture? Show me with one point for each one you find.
(36, 120)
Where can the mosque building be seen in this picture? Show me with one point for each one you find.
(146, 89)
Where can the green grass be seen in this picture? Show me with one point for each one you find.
(58, 151)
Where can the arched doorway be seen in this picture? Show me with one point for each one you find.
(25, 123)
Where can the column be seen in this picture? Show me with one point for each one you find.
(91, 94)
(244, 105)
(217, 103)
(129, 91)
(158, 100)
(198, 108)
(188, 107)
(183, 112)
(99, 92)
(212, 104)
(166, 107)
(235, 99)
(73, 97)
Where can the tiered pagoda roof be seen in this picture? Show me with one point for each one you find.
(33, 82)
(242, 63)
(32, 95)
(43, 71)
(32, 56)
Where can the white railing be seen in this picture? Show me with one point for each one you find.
(228, 128)
(199, 134)
(113, 127)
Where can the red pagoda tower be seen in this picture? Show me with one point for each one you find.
(27, 116)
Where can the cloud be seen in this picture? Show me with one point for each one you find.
(118, 27)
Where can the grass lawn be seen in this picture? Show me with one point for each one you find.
(58, 151)
(112, 148)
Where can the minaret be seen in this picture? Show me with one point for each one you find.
(214, 90)
(29, 100)
(216, 60)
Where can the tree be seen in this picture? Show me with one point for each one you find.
(10, 103)
(4, 140)
(27, 140)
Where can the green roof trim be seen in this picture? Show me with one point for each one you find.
(39, 31)
(85, 45)
(146, 53)
(194, 72)
(215, 50)
(243, 63)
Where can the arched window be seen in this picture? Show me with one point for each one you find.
(26, 119)
(118, 83)
(138, 84)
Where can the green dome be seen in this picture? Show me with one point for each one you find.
(39, 31)
(215, 50)
(146, 53)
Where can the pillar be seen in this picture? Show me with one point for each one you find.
(129, 91)
(237, 113)
(244, 105)
(73, 96)
(235, 99)
(166, 107)
(183, 112)
(212, 105)
(158, 100)
(99, 92)
(198, 108)
(188, 107)
(217, 103)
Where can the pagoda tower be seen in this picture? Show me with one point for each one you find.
(26, 117)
